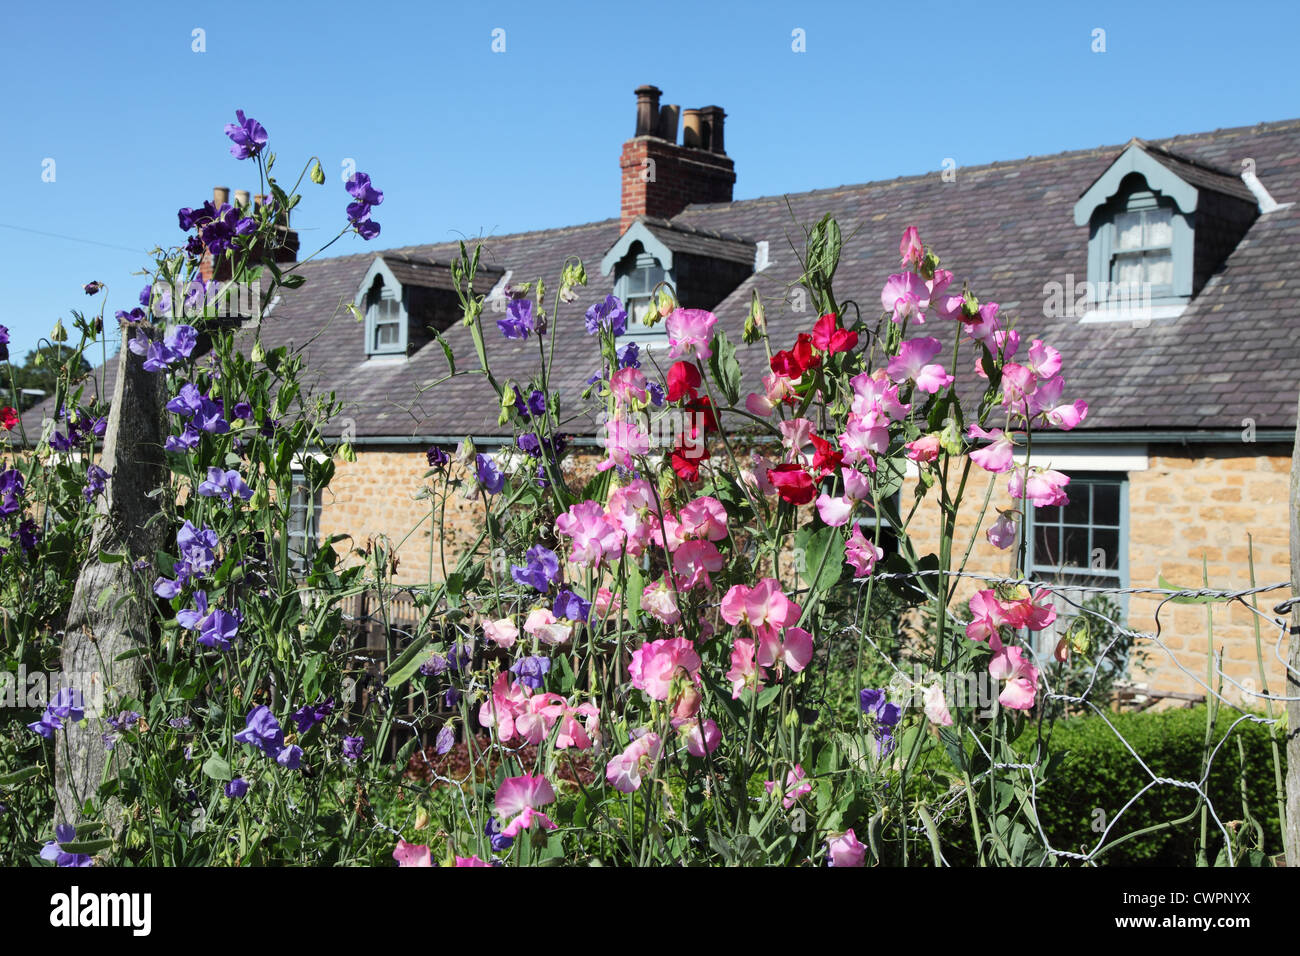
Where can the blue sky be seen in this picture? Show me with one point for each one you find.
(465, 141)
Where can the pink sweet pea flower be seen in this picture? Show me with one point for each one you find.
(924, 450)
(544, 626)
(796, 436)
(874, 393)
(690, 329)
(701, 739)
(411, 854)
(997, 457)
(507, 700)
(693, 561)
(660, 600)
(655, 665)
(912, 363)
(704, 518)
(794, 648)
(983, 325)
(910, 249)
(471, 861)
(834, 511)
(1002, 534)
(628, 385)
(936, 707)
(1033, 612)
(519, 797)
(1021, 677)
(595, 536)
(986, 618)
(623, 772)
(1040, 486)
(846, 850)
(856, 485)
(795, 787)
(575, 734)
(606, 601)
(538, 716)
(861, 553)
(502, 633)
(744, 671)
(1044, 361)
(623, 440)
(764, 607)
(905, 295)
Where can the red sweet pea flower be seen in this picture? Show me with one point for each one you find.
(792, 363)
(826, 458)
(686, 460)
(793, 483)
(702, 414)
(8, 418)
(828, 337)
(683, 379)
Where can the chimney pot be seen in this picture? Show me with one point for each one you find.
(647, 109)
(692, 129)
(669, 115)
(220, 195)
(713, 117)
(241, 198)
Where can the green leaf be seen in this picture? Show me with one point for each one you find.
(18, 776)
(108, 557)
(216, 768)
(407, 663)
(823, 557)
(1204, 599)
(768, 695)
(446, 350)
(725, 368)
(294, 280)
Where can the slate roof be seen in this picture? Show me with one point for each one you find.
(1007, 228)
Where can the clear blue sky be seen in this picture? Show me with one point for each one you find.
(466, 141)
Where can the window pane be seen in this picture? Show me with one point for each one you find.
(1046, 545)
(1105, 504)
(1076, 512)
(1128, 230)
(1107, 542)
(1127, 270)
(1159, 269)
(386, 334)
(1074, 547)
(1160, 227)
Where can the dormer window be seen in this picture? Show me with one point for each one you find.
(635, 280)
(1142, 245)
(1145, 258)
(385, 320)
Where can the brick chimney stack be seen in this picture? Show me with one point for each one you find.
(285, 241)
(662, 177)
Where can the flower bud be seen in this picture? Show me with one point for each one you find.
(59, 334)
(318, 176)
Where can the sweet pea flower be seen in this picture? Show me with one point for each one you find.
(792, 483)
(544, 626)
(997, 457)
(411, 854)
(936, 707)
(519, 797)
(656, 664)
(1020, 675)
(835, 511)
(744, 670)
(795, 786)
(623, 772)
(490, 476)
(248, 135)
(628, 385)
(224, 485)
(793, 648)
(609, 314)
(660, 600)
(828, 337)
(986, 618)
(470, 861)
(704, 517)
(1039, 485)
(701, 738)
(502, 633)
(693, 561)
(541, 571)
(904, 296)
(910, 248)
(913, 363)
(262, 731)
(924, 449)
(519, 322)
(861, 553)
(846, 850)
(764, 607)
(1003, 532)
(595, 537)
(531, 671)
(53, 849)
(624, 440)
(690, 330)
(683, 379)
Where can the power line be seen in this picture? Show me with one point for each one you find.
(56, 235)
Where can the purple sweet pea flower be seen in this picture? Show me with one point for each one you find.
(450, 697)
(437, 457)
(446, 738)
(209, 418)
(95, 479)
(219, 629)
(53, 849)
(531, 671)
(262, 730)
(309, 715)
(187, 441)
(4, 344)
(368, 230)
(236, 788)
(629, 355)
(197, 548)
(570, 606)
(499, 841)
(191, 619)
(489, 473)
(537, 402)
(884, 718)
(435, 665)
(224, 485)
(609, 314)
(92, 288)
(352, 747)
(243, 410)
(460, 655)
(27, 535)
(542, 570)
(11, 490)
(180, 341)
(361, 189)
(290, 757)
(518, 322)
(248, 135)
(657, 396)
(365, 195)
(166, 588)
(187, 402)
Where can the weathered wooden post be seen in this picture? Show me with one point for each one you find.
(112, 608)
(1291, 829)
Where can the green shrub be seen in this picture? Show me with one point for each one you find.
(1098, 773)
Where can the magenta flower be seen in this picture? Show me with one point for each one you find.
(690, 330)
(519, 798)
(912, 363)
(1020, 676)
(846, 850)
(904, 296)
(861, 553)
(623, 772)
(656, 664)
(795, 786)
(911, 250)
(1039, 485)
(595, 537)
(411, 854)
(248, 135)
(997, 457)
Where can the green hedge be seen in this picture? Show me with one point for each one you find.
(1098, 772)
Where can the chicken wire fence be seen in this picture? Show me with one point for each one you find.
(382, 624)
